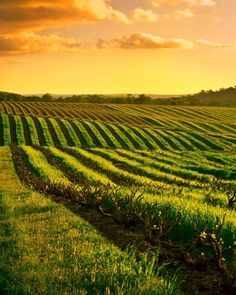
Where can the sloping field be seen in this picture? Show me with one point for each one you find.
(144, 128)
(162, 178)
(203, 119)
(45, 247)
(157, 173)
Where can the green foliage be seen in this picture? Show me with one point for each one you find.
(58, 133)
(19, 131)
(221, 97)
(46, 133)
(45, 247)
(166, 178)
(74, 137)
(33, 131)
(6, 130)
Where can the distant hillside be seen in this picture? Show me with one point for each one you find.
(7, 96)
(221, 97)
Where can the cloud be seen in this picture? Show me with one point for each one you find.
(144, 41)
(208, 43)
(143, 15)
(31, 16)
(27, 43)
(4, 60)
(119, 16)
(181, 13)
(157, 3)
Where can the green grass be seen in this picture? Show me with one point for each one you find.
(45, 248)
(74, 137)
(6, 130)
(33, 131)
(46, 134)
(86, 139)
(132, 166)
(189, 202)
(122, 138)
(95, 134)
(168, 153)
(173, 169)
(73, 165)
(58, 132)
(19, 130)
(107, 135)
(103, 160)
(39, 165)
(96, 128)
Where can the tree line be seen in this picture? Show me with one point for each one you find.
(221, 97)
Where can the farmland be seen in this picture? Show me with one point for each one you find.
(118, 126)
(90, 180)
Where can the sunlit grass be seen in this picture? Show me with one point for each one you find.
(45, 248)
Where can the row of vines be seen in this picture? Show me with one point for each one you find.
(28, 130)
(197, 119)
(86, 176)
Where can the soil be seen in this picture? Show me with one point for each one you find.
(204, 280)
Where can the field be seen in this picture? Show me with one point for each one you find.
(117, 199)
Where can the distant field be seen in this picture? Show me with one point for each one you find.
(180, 159)
(118, 126)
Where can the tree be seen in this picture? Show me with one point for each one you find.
(47, 97)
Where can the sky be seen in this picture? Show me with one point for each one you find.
(117, 46)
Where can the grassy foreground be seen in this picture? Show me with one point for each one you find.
(45, 248)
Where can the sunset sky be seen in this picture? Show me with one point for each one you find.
(117, 46)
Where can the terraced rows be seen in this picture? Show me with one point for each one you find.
(200, 119)
(71, 111)
(150, 171)
(50, 131)
(210, 120)
(45, 247)
(173, 156)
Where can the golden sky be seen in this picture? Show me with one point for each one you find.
(117, 46)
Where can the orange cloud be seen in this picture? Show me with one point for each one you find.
(182, 13)
(144, 41)
(12, 60)
(30, 43)
(143, 15)
(27, 43)
(215, 44)
(157, 3)
(30, 16)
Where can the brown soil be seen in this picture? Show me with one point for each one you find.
(204, 280)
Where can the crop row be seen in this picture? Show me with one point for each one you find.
(61, 132)
(196, 119)
(204, 120)
(70, 111)
(180, 112)
(59, 250)
(86, 165)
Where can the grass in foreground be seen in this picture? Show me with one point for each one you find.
(45, 248)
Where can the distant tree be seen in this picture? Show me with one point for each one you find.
(142, 98)
(47, 97)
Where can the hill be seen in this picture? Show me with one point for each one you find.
(7, 96)
(92, 195)
(221, 97)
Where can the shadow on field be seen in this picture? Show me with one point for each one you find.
(205, 281)
(118, 234)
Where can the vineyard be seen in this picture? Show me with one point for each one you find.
(161, 179)
(109, 126)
